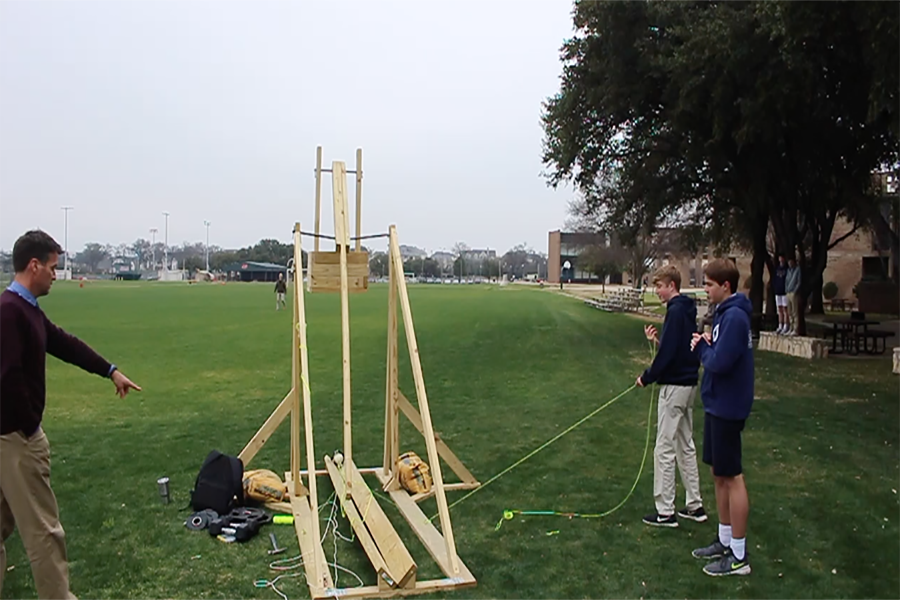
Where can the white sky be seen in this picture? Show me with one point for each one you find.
(213, 110)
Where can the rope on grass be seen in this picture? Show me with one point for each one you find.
(509, 514)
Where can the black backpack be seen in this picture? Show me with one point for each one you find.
(219, 484)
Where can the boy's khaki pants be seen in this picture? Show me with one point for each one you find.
(28, 502)
(675, 444)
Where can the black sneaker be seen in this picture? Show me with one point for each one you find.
(728, 565)
(715, 550)
(658, 520)
(698, 514)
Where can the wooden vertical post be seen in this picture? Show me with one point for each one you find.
(342, 240)
(309, 264)
(296, 375)
(318, 196)
(392, 392)
(300, 346)
(433, 458)
(358, 197)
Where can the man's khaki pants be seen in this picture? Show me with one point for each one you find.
(793, 310)
(27, 502)
(675, 443)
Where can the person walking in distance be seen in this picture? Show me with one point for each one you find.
(27, 501)
(792, 287)
(280, 290)
(676, 368)
(727, 393)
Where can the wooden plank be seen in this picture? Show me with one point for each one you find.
(317, 576)
(341, 235)
(358, 197)
(325, 276)
(394, 375)
(296, 375)
(339, 193)
(310, 261)
(260, 438)
(444, 450)
(358, 524)
(318, 199)
(282, 507)
(447, 487)
(388, 395)
(396, 556)
(425, 413)
(300, 330)
(421, 587)
(430, 537)
(392, 422)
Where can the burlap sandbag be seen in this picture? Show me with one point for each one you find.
(263, 485)
(415, 477)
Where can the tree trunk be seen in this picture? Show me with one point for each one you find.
(771, 310)
(817, 305)
(760, 252)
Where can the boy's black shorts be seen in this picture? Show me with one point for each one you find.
(722, 445)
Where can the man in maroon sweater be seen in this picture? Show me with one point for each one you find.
(26, 336)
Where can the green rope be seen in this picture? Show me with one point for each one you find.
(509, 514)
(541, 447)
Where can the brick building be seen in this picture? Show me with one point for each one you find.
(850, 260)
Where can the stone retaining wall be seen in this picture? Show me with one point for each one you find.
(803, 347)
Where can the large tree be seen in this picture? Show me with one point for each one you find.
(92, 255)
(728, 116)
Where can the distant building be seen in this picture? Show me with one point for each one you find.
(478, 255)
(443, 259)
(249, 270)
(565, 247)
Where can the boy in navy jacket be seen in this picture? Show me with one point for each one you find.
(676, 369)
(727, 393)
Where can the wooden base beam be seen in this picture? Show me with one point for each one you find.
(428, 534)
(318, 579)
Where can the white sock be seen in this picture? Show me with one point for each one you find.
(725, 535)
(738, 547)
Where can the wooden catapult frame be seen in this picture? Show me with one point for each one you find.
(346, 271)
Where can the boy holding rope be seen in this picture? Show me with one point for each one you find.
(676, 368)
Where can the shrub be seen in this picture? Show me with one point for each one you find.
(830, 290)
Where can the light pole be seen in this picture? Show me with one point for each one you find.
(207, 245)
(166, 248)
(153, 231)
(66, 234)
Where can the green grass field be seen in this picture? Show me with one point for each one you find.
(506, 369)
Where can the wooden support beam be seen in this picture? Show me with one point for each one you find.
(359, 526)
(448, 487)
(317, 576)
(303, 386)
(341, 236)
(430, 537)
(397, 558)
(443, 449)
(297, 374)
(318, 197)
(422, 587)
(260, 438)
(392, 391)
(359, 175)
(433, 459)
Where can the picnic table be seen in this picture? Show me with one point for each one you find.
(845, 327)
(842, 304)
